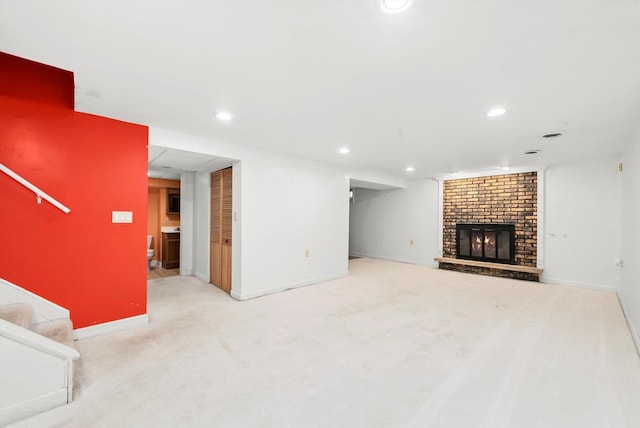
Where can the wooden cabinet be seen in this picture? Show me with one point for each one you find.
(221, 224)
(170, 250)
(173, 201)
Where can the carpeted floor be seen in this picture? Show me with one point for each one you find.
(392, 345)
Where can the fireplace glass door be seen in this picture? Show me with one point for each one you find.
(486, 242)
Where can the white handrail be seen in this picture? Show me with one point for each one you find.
(39, 193)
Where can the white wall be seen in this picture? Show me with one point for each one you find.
(582, 224)
(383, 222)
(282, 206)
(187, 231)
(629, 290)
(288, 206)
(201, 216)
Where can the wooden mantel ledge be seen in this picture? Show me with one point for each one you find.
(516, 268)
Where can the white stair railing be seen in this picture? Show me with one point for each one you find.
(39, 193)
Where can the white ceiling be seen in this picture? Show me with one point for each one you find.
(307, 76)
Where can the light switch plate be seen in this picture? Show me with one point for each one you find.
(121, 216)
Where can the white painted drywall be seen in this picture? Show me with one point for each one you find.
(629, 290)
(581, 226)
(236, 231)
(201, 232)
(382, 223)
(289, 206)
(187, 188)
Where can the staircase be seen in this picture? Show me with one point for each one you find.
(36, 354)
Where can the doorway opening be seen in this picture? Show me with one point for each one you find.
(361, 227)
(181, 212)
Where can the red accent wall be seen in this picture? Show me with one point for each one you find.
(93, 165)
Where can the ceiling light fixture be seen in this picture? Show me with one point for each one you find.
(343, 150)
(498, 111)
(505, 168)
(395, 6)
(409, 169)
(224, 116)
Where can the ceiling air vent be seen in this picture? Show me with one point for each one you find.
(552, 135)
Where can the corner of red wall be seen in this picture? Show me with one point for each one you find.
(93, 165)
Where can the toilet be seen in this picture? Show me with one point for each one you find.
(150, 252)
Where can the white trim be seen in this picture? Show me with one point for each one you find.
(43, 309)
(634, 333)
(33, 406)
(440, 252)
(201, 277)
(36, 341)
(260, 293)
(540, 199)
(397, 259)
(110, 327)
(579, 284)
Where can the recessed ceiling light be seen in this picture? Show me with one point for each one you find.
(149, 173)
(343, 150)
(223, 115)
(532, 152)
(409, 169)
(505, 168)
(395, 6)
(498, 111)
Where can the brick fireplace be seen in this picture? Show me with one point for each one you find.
(506, 201)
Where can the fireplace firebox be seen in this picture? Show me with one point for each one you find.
(489, 242)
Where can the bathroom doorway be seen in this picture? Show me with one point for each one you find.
(163, 226)
(187, 173)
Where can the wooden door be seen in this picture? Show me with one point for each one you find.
(221, 224)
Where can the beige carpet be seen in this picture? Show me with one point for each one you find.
(392, 345)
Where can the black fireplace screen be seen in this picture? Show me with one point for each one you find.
(487, 242)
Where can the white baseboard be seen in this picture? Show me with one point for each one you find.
(428, 263)
(110, 327)
(201, 277)
(632, 329)
(260, 293)
(547, 280)
(33, 406)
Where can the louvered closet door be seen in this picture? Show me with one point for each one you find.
(226, 228)
(221, 223)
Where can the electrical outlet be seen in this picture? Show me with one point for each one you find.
(121, 216)
(306, 252)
